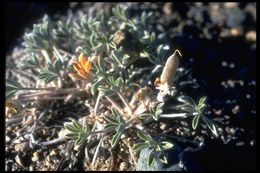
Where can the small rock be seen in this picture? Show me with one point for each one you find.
(251, 36)
(35, 156)
(236, 109)
(235, 32)
(232, 65)
(231, 83)
(123, 166)
(230, 5)
(224, 63)
(7, 139)
(232, 131)
(167, 8)
(162, 126)
(248, 96)
(241, 143)
(252, 142)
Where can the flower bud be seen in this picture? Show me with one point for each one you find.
(170, 68)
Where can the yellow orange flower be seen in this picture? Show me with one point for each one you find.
(82, 68)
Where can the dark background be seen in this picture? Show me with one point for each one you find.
(18, 16)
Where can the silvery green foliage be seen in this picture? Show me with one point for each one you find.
(114, 70)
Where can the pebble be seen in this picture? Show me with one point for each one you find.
(167, 9)
(162, 126)
(217, 112)
(231, 83)
(123, 166)
(252, 142)
(232, 65)
(224, 63)
(235, 32)
(232, 131)
(236, 109)
(248, 96)
(230, 5)
(251, 36)
(227, 117)
(241, 143)
(35, 156)
(31, 168)
(7, 139)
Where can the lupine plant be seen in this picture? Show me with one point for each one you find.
(101, 56)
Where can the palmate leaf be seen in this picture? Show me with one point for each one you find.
(72, 135)
(30, 62)
(47, 76)
(11, 87)
(76, 132)
(120, 12)
(70, 127)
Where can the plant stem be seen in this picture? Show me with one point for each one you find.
(97, 103)
(115, 105)
(125, 103)
(177, 115)
(53, 142)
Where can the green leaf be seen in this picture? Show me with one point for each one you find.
(72, 135)
(95, 86)
(140, 146)
(120, 127)
(202, 100)
(11, 84)
(150, 159)
(77, 125)
(70, 127)
(116, 138)
(30, 62)
(110, 127)
(188, 108)
(159, 106)
(79, 141)
(195, 121)
(187, 99)
(152, 110)
(163, 158)
(143, 136)
(210, 125)
(11, 87)
(158, 112)
(115, 112)
(10, 93)
(47, 76)
(167, 145)
(111, 119)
